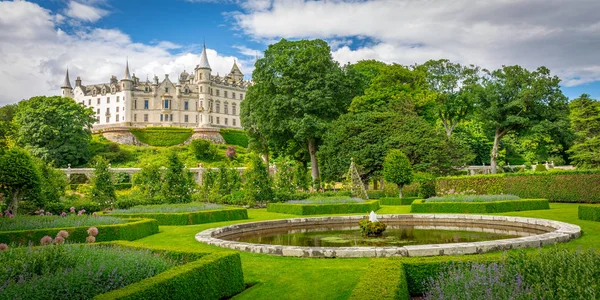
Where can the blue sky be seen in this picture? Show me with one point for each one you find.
(40, 38)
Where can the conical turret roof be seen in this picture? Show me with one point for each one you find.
(67, 83)
(126, 76)
(204, 59)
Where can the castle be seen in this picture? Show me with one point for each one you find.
(196, 100)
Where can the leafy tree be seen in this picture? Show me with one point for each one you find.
(285, 181)
(362, 73)
(472, 134)
(515, 99)
(53, 183)
(149, 181)
(368, 137)
(202, 149)
(257, 182)
(55, 129)
(103, 188)
(585, 123)
(299, 89)
(19, 177)
(397, 169)
(456, 90)
(7, 127)
(178, 182)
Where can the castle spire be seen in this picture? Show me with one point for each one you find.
(67, 83)
(126, 76)
(204, 59)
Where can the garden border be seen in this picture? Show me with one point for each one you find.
(322, 209)
(589, 212)
(555, 232)
(421, 206)
(134, 229)
(191, 218)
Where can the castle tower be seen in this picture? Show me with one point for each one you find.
(127, 88)
(126, 81)
(66, 89)
(203, 80)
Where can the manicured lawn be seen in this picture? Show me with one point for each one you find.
(297, 278)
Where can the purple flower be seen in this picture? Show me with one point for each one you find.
(48, 213)
(90, 239)
(42, 211)
(59, 240)
(3, 247)
(63, 214)
(92, 231)
(41, 214)
(72, 209)
(11, 216)
(63, 234)
(46, 240)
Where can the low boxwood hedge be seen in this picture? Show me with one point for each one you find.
(397, 201)
(206, 276)
(421, 206)
(191, 218)
(321, 209)
(589, 212)
(133, 230)
(375, 194)
(384, 279)
(234, 137)
(162, 136)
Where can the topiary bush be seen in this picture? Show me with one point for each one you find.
(202, 149)
(162, 136)
(390, 282)
(190, 218)
(322, 209)
(397, 201)
(589, 212)
(540, 168)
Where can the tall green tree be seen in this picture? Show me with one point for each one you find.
(55, 129)
(299, 89)
(397, 169)
(7, 128)
(19, 177)
(178, 181)
(258, 185)
(585, 123)
(515, 99)
(103, 187)
(456, 90)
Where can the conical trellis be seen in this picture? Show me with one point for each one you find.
(354, 183)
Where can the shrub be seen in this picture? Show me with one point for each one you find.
(178, 182)
(322, 209)
(149, 181)
(103, 190)
(258, 184)
(86, 204)
(132, 230)
(420, 206)
(188, 218)
(162, 136)
(540, 168)
(397, 201)
(234, 137)
(41, 222)
(375, 194)
(589, 212)
(384, 279)
(202, 149)
(397, 169)
(472, 198)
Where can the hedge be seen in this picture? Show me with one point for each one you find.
(589, 212)
(556, 186)
(191, 218)
(375, 194)
(397, 201)
(384, 279)
(234, 137)
(162, 136)
(212, 276)
(321, 209)
(420, 206)
(133, 230)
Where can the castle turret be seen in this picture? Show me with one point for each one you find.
(126, 82)
(66, 89)
(203, 69)
(204, 85)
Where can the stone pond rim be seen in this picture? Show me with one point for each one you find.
(554, 232)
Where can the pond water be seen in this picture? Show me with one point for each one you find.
(395, 235)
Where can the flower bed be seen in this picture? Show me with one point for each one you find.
(168, 208)
(180, 214)
(589, 212)
(128, 230)
(397, 201)
(472, 198)
(317, 209)
(421, 206)
(327, 200)
(41, 222)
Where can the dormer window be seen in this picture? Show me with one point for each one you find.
(166, 90)
(112, 90)
(187, 91)
(146, 89)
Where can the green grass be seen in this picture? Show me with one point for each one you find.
(297, 278)
(39, 222)
(472, 198)
(162, 136)
(235, 137)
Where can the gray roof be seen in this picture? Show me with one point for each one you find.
(67, 82)
(126, 76)
(204, 59)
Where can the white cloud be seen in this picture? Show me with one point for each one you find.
(492, 33)
(85, 12)
(35, 54)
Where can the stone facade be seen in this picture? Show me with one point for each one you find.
(541, 232)
(195, 100)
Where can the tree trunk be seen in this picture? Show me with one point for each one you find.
(400, 190)
(14, 203)
(314, 164)
(494, 157)
(375, 187)
(381, 183)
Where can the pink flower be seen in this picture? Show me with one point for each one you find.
(42, 211)
(48, 213)
(63, 234)
(3, 247)
(72, 209)
(93, 231)
(95, 214)
(91, 239)
(79, 213)
(11, 216)
(41, 215)
(63, 214)
(59, 240)
(46, 240)
(37, 212)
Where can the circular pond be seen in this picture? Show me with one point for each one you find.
(407, 235)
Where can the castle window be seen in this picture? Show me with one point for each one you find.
(186, 105)
(161, 117)
(217, 93)
(200, 89)
(94, 93)
(185, 118)
(171, 117)
(166, 104)
(108, 110)
(89, 101)
(98, 111)
(233, 95)
(117, 109)
(107, 119)
(197, 118)
(233, 121)
(117, 118)
(233, 109)
(135, 104)
(187, 91)
(134, 117)
(210, 119)
(241, 96)
(218, 107)
(107, 100)
(98, 100)
(225, 121)
(117, 98)
(225, 94)
(146, 89)
(112, 90)
(145, 117)
(145, 104)
(217, 120)
(166, 90)
(225, 109)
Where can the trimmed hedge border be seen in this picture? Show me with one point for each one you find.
(384, 279)
(420, 206)
(589, 212)
(208, 276)
(397, 201)
(376, 194)
(322, 209)
(572, 186)
(133, 230)
(191, 218)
